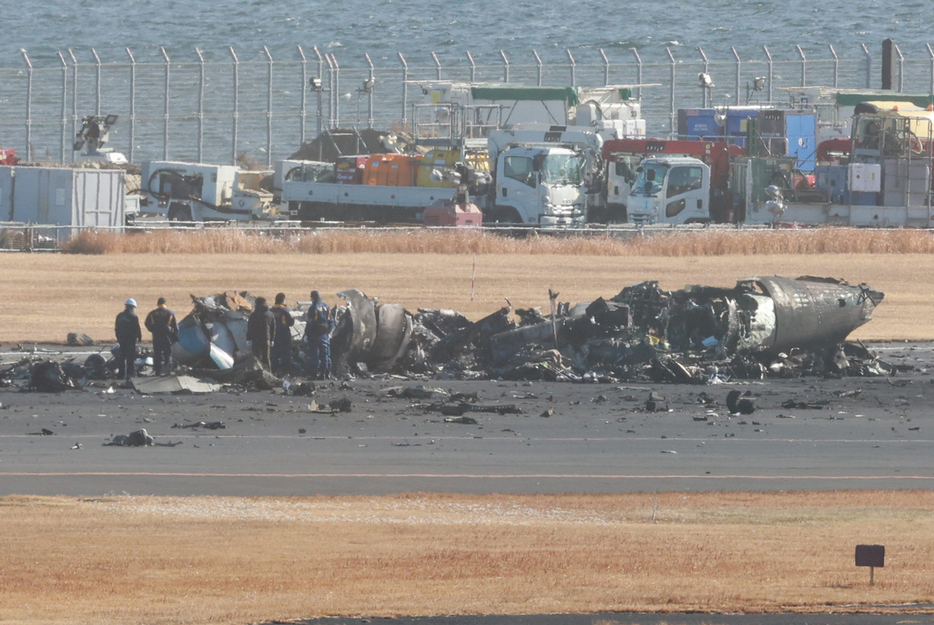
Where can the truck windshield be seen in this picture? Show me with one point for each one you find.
(561, 169)
(650, 179)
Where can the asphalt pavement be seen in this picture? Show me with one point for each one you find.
(806, 434)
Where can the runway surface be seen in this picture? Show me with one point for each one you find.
(592, 438)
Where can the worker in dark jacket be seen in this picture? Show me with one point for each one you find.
(161, 322)
(282, 341)
(260, 330)
(128, 334)
(318, 336)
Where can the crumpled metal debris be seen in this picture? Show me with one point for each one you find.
(173, 385)
(50, 376)
(763, 326)
(249, 373)
(213, 334)
(76, 338)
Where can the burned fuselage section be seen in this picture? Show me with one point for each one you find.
(700, 334)
(761, 326)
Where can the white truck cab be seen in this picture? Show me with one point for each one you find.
(674, 190)
(542, 174)
(540, 186)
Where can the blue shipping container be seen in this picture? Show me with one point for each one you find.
(697, 123)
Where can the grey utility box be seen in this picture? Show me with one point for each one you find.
(63, 197)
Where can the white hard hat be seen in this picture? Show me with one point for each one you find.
(131, 302)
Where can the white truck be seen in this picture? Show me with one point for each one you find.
(674, 189)
(885, 180)
(542, 174)
(201, 192)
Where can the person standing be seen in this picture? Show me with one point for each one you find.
(260, 330)
(282, 341)
(318, 335)
(128, 332)
(164, 328)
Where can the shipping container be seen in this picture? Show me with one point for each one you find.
(698, 123)
(371, 172)
(436, 159)
(63, 197)
(349, 169)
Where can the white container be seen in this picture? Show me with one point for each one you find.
(864, 177)
(63, 197)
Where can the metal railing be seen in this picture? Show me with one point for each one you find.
(214, 105)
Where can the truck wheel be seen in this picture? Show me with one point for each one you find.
(507, 216)
(179, 213)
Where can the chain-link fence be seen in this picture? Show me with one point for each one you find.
(212, 107)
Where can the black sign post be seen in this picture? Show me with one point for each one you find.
(871, 556)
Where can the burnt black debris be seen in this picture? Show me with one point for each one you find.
(762, 327)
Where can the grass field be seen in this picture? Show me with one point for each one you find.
(220, 560)
(47, 296)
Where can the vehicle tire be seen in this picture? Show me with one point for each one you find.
(507, 216)
(179, 213)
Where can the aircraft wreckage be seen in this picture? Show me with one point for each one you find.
(762, 326)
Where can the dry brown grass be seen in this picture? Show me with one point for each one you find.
(702, 243)
(225, 560)
(47, 296)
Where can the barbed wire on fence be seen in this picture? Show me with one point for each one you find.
(211, 107)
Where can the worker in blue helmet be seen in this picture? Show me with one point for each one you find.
(318, 336)
(128, 332)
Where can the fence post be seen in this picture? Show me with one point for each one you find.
(635, 53)
(268, 108)
(236, 102)
(405, 88)
(901, 68)
(739, 64)
(61, 58)
(671, 103)
(538, 63)
(337, 85)
(200, 105)
(505, 66)
(868, 65)
(97, 68)
(836, 65)
(74, 99)
(606, 68)
(28, 105)
(931, 54)
(370, 87)
(473, 67)
(437, 66)
(705, 93)
(768, 55)
(327, 57)
(320, 90)
(804, 66)
(573, 67)
(165, 107)
(132, 101)
(303, 111)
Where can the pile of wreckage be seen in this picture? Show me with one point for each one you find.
(761, 327)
